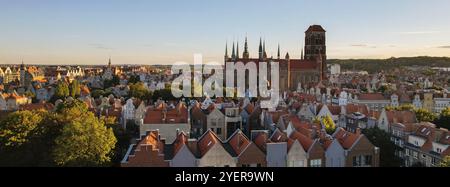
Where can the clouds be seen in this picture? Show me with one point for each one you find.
(100, 46)
(444, 47)
(419, 32)
(363, 46)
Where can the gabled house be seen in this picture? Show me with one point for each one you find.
(215, 121)
(334, 153)
(246, 153)
(359, 151)
(167, 119)
(428, 145)
(179, 153)
(212, 153)
(387, 118)
(148, 152)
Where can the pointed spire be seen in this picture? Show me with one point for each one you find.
(237, 50)
(302, 57)
(226, 52)
(226, 49)
(246, 54)
(233, 54)
(246, 45)
(278, 53)
(264, 49)
(287, 55)
(260, 51)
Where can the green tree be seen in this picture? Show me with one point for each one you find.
(382, 140)
(97, 93)
(329, 124)
(61, 91)
(445, 162)
(138, 90)
(75, 89)
(84, 140)
(27, 138)
(444, 119)
(111, 83)
(18, 128)
(134, 79)
(424, 115)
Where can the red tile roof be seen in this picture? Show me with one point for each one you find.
(346, 139)
(371, 96)
(302, 139)
(238, 142)
(208, 140)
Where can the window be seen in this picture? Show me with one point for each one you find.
(368, 160)
(438, 150)
(316, 163)
(258, 165)
(245, 165)
(415, 154)
(219, 131)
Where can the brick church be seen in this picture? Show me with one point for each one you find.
(306, 72)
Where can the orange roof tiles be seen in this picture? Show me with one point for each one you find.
(208, 140)
(371, 96)
(304, 141)
(346, 139)
(238, 142)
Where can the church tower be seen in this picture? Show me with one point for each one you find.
(22, 74)
(315, 46)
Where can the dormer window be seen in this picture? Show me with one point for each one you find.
(438, 150)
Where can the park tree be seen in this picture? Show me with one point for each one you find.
(61, 91)
(27, 138)
(444, 119)
(74, 89)
(18, 128)
(445, 162)
(329, 124)
(138, 90)
(85, 140)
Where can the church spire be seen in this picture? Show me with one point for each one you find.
(233, 54)
(245, 55)
(226, 51)
(260, 51)
(237, 50)
(302, 54)
(278, 53)
(264, 49)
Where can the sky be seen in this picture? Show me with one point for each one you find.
(167, 31)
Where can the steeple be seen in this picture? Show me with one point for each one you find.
(260, 51)
(237, 50)
(226, 51)
(287, 56)
(264, 49)
(109, 62)
(233, 54)
(245, 55)
(302, 54)
(278, 53)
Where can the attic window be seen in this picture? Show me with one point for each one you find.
(428, 133)
(447, 137)
(423, 130)
(209, 143)
(279, 137)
